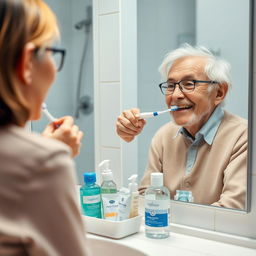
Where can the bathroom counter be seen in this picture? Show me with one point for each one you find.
(186, 243)
(180, 244)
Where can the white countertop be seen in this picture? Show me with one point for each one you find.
(179, 244)
(187, 243)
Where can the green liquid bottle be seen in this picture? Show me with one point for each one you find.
(108, 192)
(90, 196)
(108, 186)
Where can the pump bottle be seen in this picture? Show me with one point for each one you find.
(109, 194)
(157, 208)
(108, 186)
(133, 187)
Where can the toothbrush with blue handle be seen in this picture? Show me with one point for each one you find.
(157, 113)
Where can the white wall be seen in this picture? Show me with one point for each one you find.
(212, 22)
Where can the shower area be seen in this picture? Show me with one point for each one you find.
(72, 91)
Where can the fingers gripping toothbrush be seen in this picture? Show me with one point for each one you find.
(48, 114)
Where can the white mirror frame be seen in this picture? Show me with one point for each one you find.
(233, 226)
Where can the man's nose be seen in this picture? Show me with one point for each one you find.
(177, 91)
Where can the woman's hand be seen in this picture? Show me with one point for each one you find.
(66, 131)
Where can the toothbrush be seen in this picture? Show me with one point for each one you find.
(152, 114)
(47, 113)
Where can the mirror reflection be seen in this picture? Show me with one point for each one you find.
(164, 26)
(213, 170)
(72, 93)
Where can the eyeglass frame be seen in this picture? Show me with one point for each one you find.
(181, 88)
(55, 50)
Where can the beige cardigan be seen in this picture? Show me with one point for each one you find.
(39, 214)
(219, 175)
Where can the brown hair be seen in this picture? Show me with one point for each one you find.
(21, 21)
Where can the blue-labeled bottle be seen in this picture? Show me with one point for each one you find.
(157, 208)
(90, 196)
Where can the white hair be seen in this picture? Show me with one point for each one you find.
(216, 69)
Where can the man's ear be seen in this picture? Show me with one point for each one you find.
(24, 68)
(221, 93)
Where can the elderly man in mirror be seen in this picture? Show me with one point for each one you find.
(203, 150)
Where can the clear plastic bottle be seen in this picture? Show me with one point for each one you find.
(157, 208)
(90, 196)
(108, 186)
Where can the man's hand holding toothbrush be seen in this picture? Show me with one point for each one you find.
(65, 130)
(129, 124)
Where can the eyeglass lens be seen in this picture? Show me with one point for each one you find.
(185, 86)
(58, 60)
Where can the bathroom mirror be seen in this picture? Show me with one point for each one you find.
(223, 26)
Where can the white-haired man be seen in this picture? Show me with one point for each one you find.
(204, 149)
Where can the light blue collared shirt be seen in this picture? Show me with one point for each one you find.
(206, 133)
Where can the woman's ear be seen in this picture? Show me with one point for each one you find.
(24, 68)
(221, 93)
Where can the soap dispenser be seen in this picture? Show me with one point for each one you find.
(133, 187)
(108, 186)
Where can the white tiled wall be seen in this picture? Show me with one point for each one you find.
(109, 56)
(243, 224)
(203, 217)
(107, 84)
(109, 110)
(108, 6)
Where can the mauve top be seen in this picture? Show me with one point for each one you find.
(39, 213)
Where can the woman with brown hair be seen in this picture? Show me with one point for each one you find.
(39, 214)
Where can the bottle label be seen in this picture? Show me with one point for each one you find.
(91, 199)
(157, 213)
(91, 206)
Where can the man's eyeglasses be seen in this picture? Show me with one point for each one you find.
(186, 86)
(57, 54)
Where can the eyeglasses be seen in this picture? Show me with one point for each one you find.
(186, 86)
(58, 56)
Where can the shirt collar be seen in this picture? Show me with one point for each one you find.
(209, 129)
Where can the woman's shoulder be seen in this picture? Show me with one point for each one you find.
(33, 158)
(22, 144)
(37, 141)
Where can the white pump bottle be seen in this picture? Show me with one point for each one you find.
(108, 186)
(133, 187)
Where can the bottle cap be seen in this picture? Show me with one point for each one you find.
(133, 186)
(105, 170)
(156, 179)
(89, 177)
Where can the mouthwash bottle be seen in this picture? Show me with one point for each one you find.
(157, 208)
(108, 186)
(90, 196)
